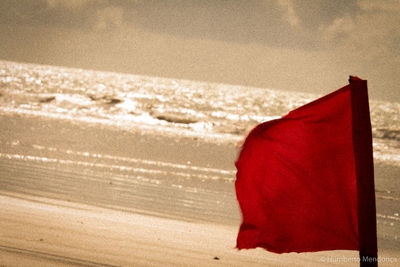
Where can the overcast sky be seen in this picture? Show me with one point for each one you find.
(303, 45)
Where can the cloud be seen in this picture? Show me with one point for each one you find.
(372, 34)
(108, 18)
(289, 13)
(366, 43)
(387, 5)
(69, 4)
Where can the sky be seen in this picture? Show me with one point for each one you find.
(300, 45)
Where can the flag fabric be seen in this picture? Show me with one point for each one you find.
(305, 181)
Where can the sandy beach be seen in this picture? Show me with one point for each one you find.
(43, 232)
(90, 195)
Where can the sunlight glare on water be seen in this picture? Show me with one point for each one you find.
(216, 112)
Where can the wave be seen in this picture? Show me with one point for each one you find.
(216, 112)
(175, 119)
(385, 133)
(47, 99)
(106, 99)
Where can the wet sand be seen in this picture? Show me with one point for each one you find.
(79, 195)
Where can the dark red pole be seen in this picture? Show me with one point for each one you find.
(362, 143)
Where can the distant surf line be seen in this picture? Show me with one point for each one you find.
(138, 124)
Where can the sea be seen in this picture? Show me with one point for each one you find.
(212, 111)
(126, 142)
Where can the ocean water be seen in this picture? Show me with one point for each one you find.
(216, 112)
(109, 139)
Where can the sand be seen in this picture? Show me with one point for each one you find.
(44, 232)
(148, 200)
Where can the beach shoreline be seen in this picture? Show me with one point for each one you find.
(86, 195)
(40, 232)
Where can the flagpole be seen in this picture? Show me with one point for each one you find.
(364, 172)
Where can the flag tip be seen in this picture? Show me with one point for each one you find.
(353, 78)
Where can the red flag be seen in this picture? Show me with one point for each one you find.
(305, 181)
